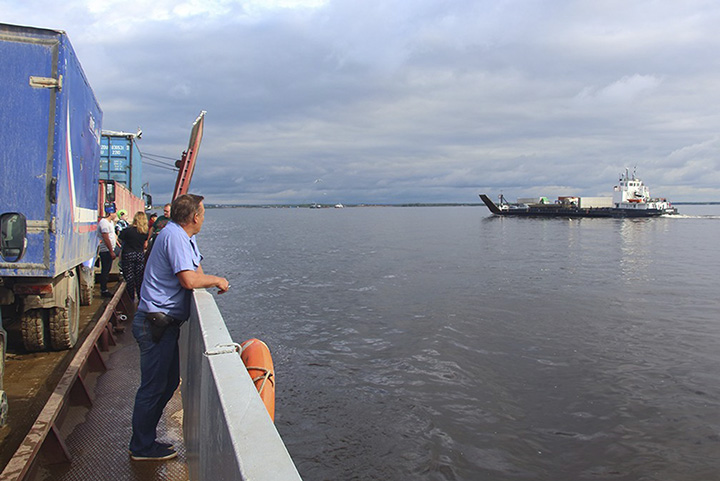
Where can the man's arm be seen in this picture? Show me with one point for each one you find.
(198, 279)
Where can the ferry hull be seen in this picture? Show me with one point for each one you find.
(553, 210)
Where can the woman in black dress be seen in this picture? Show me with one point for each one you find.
(134, 242)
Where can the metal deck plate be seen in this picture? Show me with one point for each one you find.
(98, 438)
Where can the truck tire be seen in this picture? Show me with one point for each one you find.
(65, 321)
(33, 330)
(87, 285)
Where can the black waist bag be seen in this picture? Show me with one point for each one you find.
(158, 323)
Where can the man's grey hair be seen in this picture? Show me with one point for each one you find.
(184, 208)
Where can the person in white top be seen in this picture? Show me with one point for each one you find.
(108, 241)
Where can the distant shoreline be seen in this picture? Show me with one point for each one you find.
(414, 204)
(331, 206)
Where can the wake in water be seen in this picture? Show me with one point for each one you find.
(696, 211)
(683, 216)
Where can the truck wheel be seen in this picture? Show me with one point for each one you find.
(87, 284)
(65, 321)
(33, 330)
(3, 408)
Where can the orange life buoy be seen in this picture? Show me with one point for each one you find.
(256, 357)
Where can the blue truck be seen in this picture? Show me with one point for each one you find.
(50, 129)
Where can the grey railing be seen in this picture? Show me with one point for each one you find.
(228, 433)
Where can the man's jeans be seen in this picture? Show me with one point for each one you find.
(160, 377)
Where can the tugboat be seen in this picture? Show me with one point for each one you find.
(631, 198)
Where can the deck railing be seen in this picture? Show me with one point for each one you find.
(228, 433)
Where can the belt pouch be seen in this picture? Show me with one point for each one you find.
(158, 323)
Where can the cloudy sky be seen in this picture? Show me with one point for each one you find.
(391, 101)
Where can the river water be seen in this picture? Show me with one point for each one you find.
(442, 343)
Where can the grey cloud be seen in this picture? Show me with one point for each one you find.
(423, 101)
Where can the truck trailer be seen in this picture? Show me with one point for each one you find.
(50, 129)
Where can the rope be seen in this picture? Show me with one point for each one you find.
(242, 348)
(265, 377)
(224, 349)
(235, 347)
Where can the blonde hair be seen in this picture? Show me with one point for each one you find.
(140, 222)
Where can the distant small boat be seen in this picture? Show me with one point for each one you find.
(339, 206)
(631, 198)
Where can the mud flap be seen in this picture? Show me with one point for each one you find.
(86, 275)
(65, 318)
(3, 396)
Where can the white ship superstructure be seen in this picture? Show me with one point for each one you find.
(631, 193)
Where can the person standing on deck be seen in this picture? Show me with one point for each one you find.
(122, 223)
(160, 222)
(157, 226)
(132, 258)
(106, 250)
(172, 271)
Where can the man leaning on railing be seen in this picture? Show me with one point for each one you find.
(172, 271)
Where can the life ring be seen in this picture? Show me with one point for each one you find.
(258, 362)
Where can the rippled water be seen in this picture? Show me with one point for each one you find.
(444, 344)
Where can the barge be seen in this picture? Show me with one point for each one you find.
(631, 198)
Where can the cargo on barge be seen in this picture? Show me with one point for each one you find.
(631, 198)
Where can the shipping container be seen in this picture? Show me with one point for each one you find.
(595, 202)
(121, 160)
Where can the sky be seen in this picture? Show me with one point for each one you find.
(405, 101)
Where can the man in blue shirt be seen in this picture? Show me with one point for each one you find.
(172, 271)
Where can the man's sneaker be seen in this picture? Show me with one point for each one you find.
(157, 453)
(162, 445)
(106, 294)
